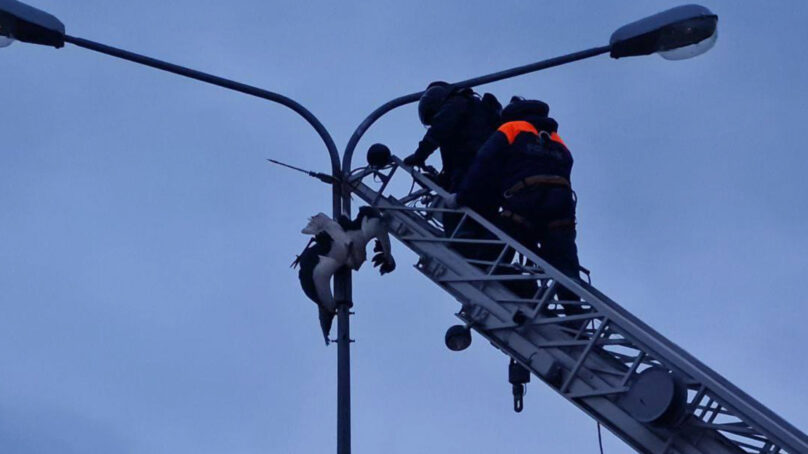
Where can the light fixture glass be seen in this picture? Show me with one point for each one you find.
(5, 41)
(693, 50)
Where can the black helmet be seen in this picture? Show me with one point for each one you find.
(520, 108)
(434, 96)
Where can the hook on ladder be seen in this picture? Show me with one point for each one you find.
(519, 376)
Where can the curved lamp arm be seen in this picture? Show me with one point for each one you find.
(231, 85)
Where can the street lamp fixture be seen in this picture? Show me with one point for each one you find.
(678, 33)
(21, 22)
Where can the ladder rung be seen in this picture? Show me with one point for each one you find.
(486, 278)
(565, 343)
(519, 300)
(595, 393)
(736, 428)
(590, 344)
(512, 266)
(568, 318)
(427, 209)
(426, 239)
(412, 196)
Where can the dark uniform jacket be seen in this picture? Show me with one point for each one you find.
(516, 151)
(459, 129)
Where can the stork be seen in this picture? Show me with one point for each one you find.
(337, 244)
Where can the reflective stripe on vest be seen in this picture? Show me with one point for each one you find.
(556, 138)
(512, 129)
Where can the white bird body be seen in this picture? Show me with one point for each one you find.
(338, 244)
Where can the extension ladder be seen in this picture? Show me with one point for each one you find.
(649, 392)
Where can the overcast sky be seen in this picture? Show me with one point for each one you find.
(146, 300)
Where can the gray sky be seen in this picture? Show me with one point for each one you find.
(147, 303)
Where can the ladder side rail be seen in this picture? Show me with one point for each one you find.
(728, 395)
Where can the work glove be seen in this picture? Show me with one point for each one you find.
(385, 263)
(415, 160)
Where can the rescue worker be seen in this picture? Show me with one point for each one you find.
(459, 122)
(524, 168)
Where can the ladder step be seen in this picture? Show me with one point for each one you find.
(567, 318)
(427, 239)
(425, 209)
(487, 278)
(520, 300)
(510, 266)
(595, 393)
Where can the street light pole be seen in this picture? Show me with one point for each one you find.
(342, 291)
(342, 280)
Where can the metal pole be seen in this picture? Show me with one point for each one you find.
(344, 375)
(342, 280)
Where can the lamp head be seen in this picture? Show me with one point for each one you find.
(21, 22)
(678, 33)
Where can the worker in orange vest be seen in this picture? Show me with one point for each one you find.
(524, 170)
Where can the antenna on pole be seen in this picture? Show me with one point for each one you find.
(325, 178)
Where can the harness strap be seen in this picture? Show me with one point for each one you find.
(517, 219)
(537, 180)
(521, 221)
(562, 224)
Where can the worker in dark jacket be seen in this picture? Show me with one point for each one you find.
(524, 168)
(459, 122)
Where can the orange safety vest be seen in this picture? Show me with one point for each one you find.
(512, 129)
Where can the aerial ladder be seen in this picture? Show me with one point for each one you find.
(645, 389)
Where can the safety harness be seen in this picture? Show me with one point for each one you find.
(522, 222)
(536, 180)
